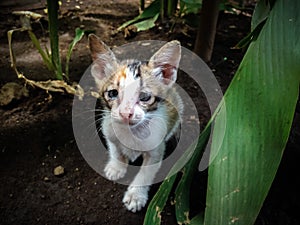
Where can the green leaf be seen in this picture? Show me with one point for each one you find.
(146, 24)
(252, 36)
(158, 202)
(78, 36)
(182, 193)
(153, 214)
(260, 105)
(44, 54)
(53, 8)
(198, 219)
(190, 6)
(149, 12)
(261, 13)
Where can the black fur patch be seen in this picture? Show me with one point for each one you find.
(135, 68)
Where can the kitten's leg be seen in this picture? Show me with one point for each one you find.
(117, 164)
(136, 195)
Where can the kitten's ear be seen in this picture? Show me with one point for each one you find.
(104, 60)
(165, 62)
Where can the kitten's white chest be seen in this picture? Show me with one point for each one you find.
(133, 140)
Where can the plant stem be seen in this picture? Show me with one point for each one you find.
(162, 10)
(172, 4)
(207, 29)
(54, 41)
(142, 5)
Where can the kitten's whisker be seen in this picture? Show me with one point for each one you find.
(95, 120)
(95, 111)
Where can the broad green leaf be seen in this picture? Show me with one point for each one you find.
(149, 12)
(260, 105)
(252, 36)
(158, 202)
(198, 219)
(146, 24)
(182, 193)
(260, 14)
(78, 36)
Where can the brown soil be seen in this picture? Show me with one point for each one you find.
(36, 132)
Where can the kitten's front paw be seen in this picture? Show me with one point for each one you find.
(135, 198)
(114, 171)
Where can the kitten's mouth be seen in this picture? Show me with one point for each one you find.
(140, 123)
(130, 122)
(141, 129)
(134, 123)
(138, 128)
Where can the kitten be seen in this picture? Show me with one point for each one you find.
(142, 111)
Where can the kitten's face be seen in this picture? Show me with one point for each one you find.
(133, 90)
(130, 93)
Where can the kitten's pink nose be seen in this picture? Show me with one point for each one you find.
(126, 116)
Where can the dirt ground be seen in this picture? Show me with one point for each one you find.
(36, 132)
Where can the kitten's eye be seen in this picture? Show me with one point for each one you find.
(112, 94)
(145, 96)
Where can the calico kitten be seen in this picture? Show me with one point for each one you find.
(142, 111)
